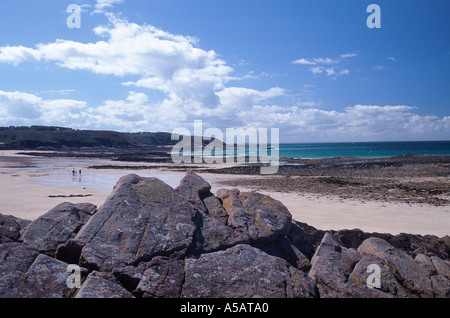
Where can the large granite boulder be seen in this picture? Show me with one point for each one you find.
(244, 272)
(414, 276)
(331, 267)
(213, 232)
(254, 216)
(15, 259)
(57, 226)
(11, 228)
(27, 274)
(143, 218)
(345, 272)
(162, 278)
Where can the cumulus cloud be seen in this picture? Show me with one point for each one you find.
(20, 105)
(239, 107)
(163, 61)
(136, 113)
(192, 80)
(129, 49)
(18, 54)
(355, 123)
(234, 99)
(28, 108)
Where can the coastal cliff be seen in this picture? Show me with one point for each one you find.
(152, 241)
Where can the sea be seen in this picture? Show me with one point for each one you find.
(363, 149)
(332, 150)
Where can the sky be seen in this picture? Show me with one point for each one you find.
(314, 69)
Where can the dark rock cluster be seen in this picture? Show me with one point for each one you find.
(150, 240)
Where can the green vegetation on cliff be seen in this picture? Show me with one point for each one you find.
(33, 137)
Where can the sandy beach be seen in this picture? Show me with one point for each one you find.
(30, 186)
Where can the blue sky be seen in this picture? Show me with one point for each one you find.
(311, 68)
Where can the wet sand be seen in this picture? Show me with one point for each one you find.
(30, 186)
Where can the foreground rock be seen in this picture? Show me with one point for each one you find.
(150, 240)
(244, 272)
(27, 274)
(142, 218)
(344, 272)
(57, 226)
(11, 228)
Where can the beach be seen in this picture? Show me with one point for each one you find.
(31, 186)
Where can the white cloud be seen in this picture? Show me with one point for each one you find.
(63, 112)
(163, 61)
(239, 107)
(28, 108)
(377, 68)
(129, 49)
(321, 65)
(166, 62)
(330, 71)
(19, 105)
(235, 99)
(107, 3)
(18, 54)
(316, 69)
(101, 5)
(136, 113)
(62, 92)
(356, 123)
(316, 61)
(304, 62)
(325, 61)
(192, 80)
(347, 55)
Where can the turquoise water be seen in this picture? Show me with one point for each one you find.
(347, 149)
(363, 149)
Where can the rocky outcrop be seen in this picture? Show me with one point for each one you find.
(11, 228)
(411, 244)
(143, 218)
(57, 226)
(27, 274)
(331, 266)
(102, 285)
(244, 271)
(150, 240)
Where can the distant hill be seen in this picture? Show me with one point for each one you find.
(34, 137)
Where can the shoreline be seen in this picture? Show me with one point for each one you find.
(22, 181)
